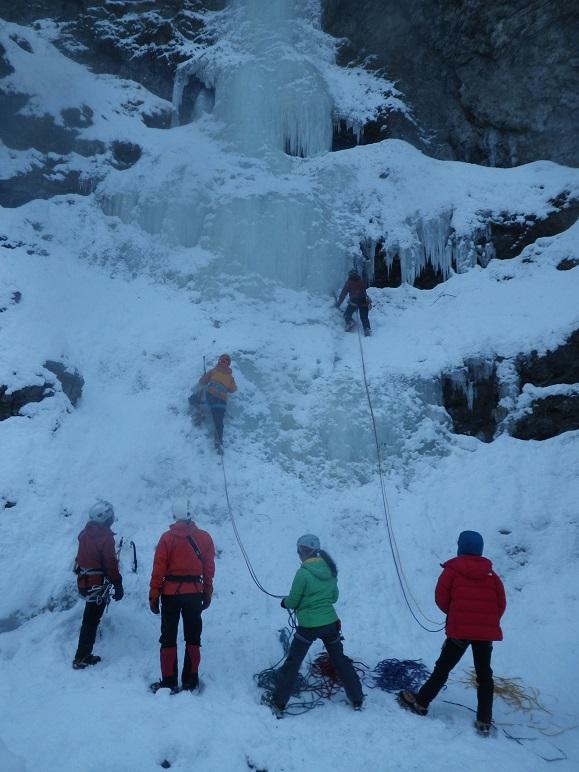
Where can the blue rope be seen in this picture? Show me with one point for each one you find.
(394, 675)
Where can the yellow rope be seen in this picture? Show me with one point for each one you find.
(512, 691)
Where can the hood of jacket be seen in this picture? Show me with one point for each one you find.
(183, 529)
(319, 568)
(471, 566)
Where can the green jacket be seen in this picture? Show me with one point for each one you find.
(314, 590)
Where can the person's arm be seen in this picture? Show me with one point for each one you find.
(442, 593)
(205, 378)
(109, 560)
(501, 597)
(298, 588)
(343, 294)
(160, 565)
(208, 562)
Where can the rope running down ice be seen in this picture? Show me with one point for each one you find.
(404, 585)
(238, 538)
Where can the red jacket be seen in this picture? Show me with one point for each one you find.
(175, 557)
(356, 289)
(96, 552)
(473, 598)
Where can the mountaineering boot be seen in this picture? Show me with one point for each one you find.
(350, 326)
(267, 699)
(483, 728)
(79, 663)
(367, 332)
(358, 704)
(407, 700)
(154, 687)
(219, 447)
(191, 684)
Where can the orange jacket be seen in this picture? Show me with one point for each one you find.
(219, 381)
(175, 557)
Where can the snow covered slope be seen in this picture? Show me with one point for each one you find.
(204, 246)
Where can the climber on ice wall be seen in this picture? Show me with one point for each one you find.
(313, 592)
(181, 586)
(473, 598)
(358, 300)
(215, 385)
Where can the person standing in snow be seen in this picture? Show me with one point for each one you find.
(219, 384)
(358, 300)
(473, 598)
(313, 592)
(181, 587)
(96, 567)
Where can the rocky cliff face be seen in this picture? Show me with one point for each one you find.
(490, 81)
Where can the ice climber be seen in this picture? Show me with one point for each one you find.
(473, 598)
(358, 300)
(96, 568)
(219, 384)
(313, 592)
(181, 587)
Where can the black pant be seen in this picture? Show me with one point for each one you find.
(452, 651)
(88, 629)
(302, 640)
(174, 607)
(363, 310)
(217, 407)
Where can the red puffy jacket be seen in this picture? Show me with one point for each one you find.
(96, 553)
(356, 289)
(473, 598)
(176, 561)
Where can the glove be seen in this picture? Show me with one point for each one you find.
(119, 592)
(154, 604)
(282, 604)
(206, 602)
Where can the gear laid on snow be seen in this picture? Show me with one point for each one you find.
(473, 598)
(182, 586)
(97, 570)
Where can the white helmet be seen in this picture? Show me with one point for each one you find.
(101, 512)
(181, 510)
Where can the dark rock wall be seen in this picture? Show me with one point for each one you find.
(490, 81)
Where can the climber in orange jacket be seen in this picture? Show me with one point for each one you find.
(181, 586)
(219, 384)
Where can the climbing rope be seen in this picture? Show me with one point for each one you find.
(238, 538)
(403, 581)
(394, 675)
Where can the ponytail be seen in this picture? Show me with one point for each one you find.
(329, 562)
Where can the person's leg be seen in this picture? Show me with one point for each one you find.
(452, 651)
(170, 613)
(302, 640)
(364, 317)
(192, 626)
(218, 416)
(332, 640)
(350, 308)
(90, 621)
(481, 654)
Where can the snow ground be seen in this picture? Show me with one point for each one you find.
(136, 311)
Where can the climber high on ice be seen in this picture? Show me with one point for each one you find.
(214, 387)
(358, 300)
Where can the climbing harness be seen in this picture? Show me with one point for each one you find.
(403, 581)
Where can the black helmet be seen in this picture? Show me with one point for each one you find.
(354, 274)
